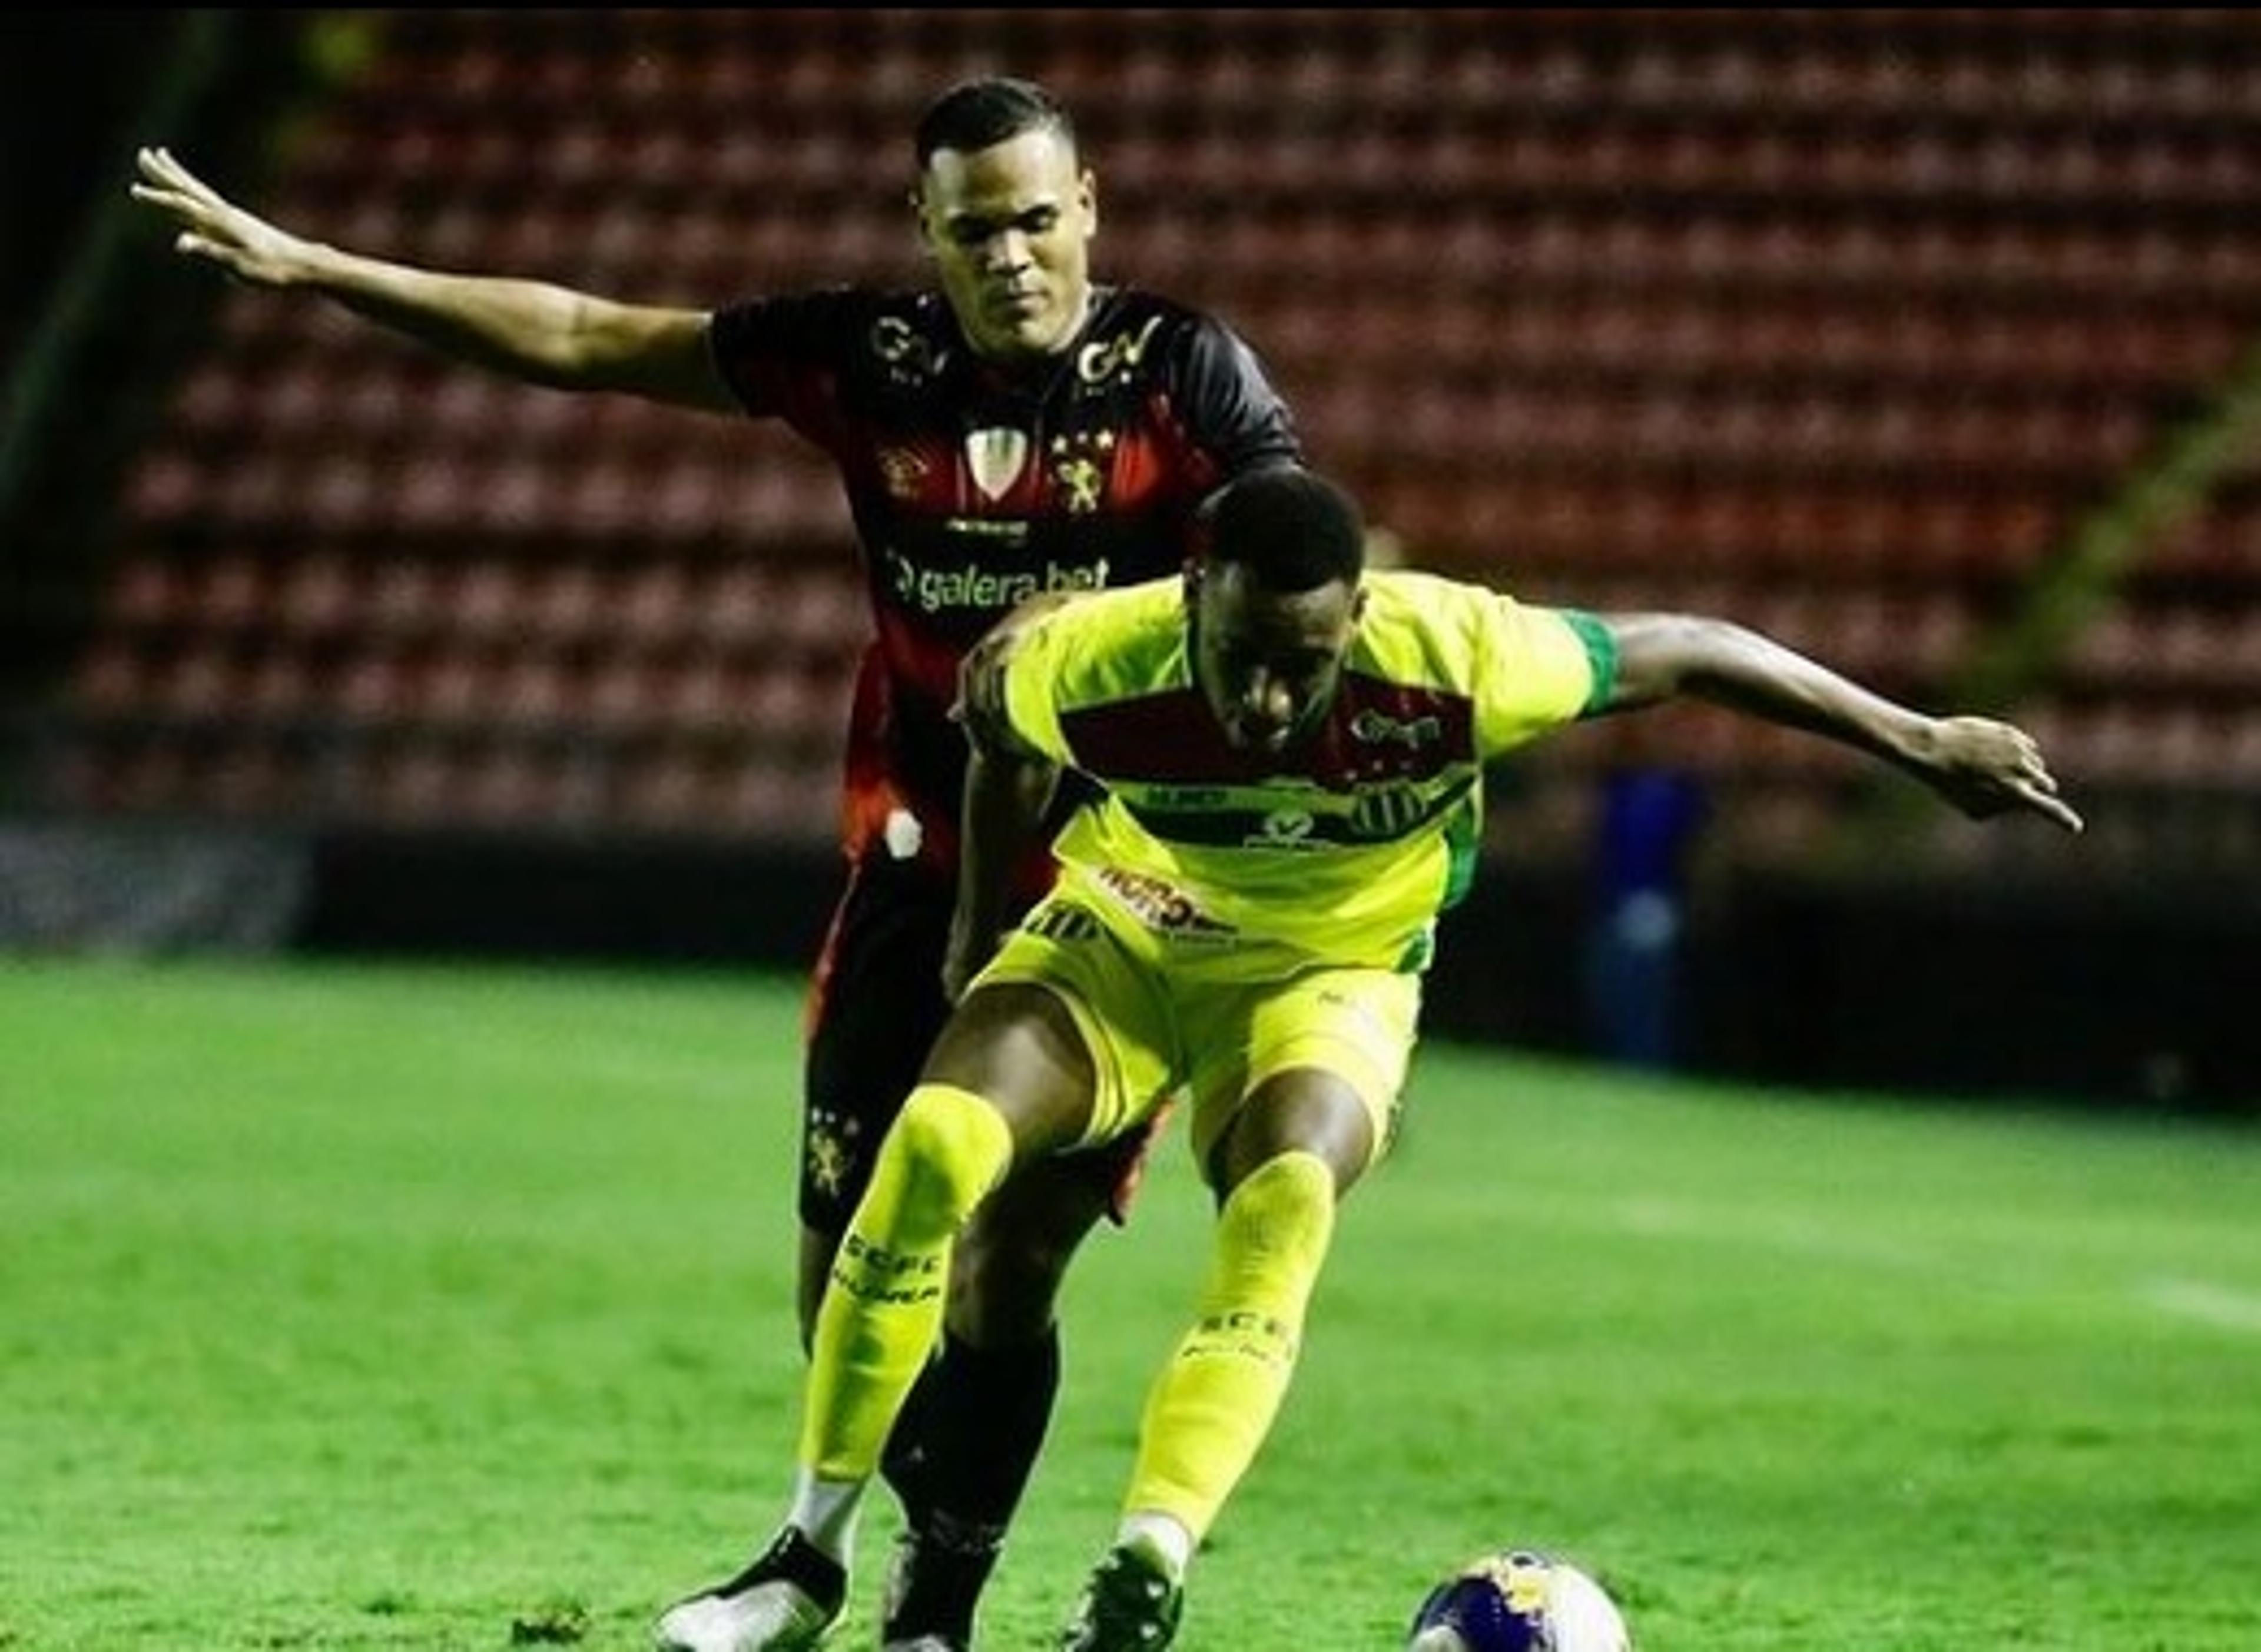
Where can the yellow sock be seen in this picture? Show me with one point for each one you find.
(1209, 1411)
(883, 1307)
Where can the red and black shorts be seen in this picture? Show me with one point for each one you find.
(875, 1007)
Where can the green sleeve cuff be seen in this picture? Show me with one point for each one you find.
(1601, 656)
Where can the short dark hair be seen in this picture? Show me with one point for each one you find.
(1291, 527)
(975, 114)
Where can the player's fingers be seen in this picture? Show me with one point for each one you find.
(159, 165)
(179, 179)
(166, 201)
(2043, 799)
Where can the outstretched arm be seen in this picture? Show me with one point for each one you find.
(1982, 766)
(530, 330)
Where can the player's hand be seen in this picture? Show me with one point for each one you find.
(1987, 768)
(210, 227)
(980, 703)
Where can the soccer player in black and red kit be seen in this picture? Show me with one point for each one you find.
(1017, 429)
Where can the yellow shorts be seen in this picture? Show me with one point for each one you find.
(1215, 1024)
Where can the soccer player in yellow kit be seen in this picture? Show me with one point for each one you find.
(1291, 753)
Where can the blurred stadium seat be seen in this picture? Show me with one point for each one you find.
(1840, 323)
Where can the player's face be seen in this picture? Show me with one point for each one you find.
(1010, 228)
(1268, 661)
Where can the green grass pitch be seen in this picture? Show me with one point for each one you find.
(367, 1307)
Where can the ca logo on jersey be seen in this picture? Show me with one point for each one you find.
(995, 455)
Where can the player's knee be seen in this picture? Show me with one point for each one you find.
(947, 1149)
(1280, 1218)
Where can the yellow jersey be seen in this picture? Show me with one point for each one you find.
(1343, 851)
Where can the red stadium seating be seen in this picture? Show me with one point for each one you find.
(1840, 323)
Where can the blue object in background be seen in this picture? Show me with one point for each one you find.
(1649, 820)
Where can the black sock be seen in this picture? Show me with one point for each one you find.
(967, 1439)
(903, 1462)
(959, 1457)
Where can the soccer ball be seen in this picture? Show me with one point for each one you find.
(1518, 1600)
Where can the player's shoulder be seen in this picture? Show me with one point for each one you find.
(1114, 303)
(1419, 624)
(1418, 591)
(1149, 607)
(1120, 643)
(1418, 597)
(883, 319)
(1100, 632)
(1140, 320)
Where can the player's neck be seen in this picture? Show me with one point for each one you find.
(1033, 374)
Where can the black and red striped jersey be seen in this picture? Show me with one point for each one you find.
(974, 485)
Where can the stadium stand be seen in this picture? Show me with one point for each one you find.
(1840, 323)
